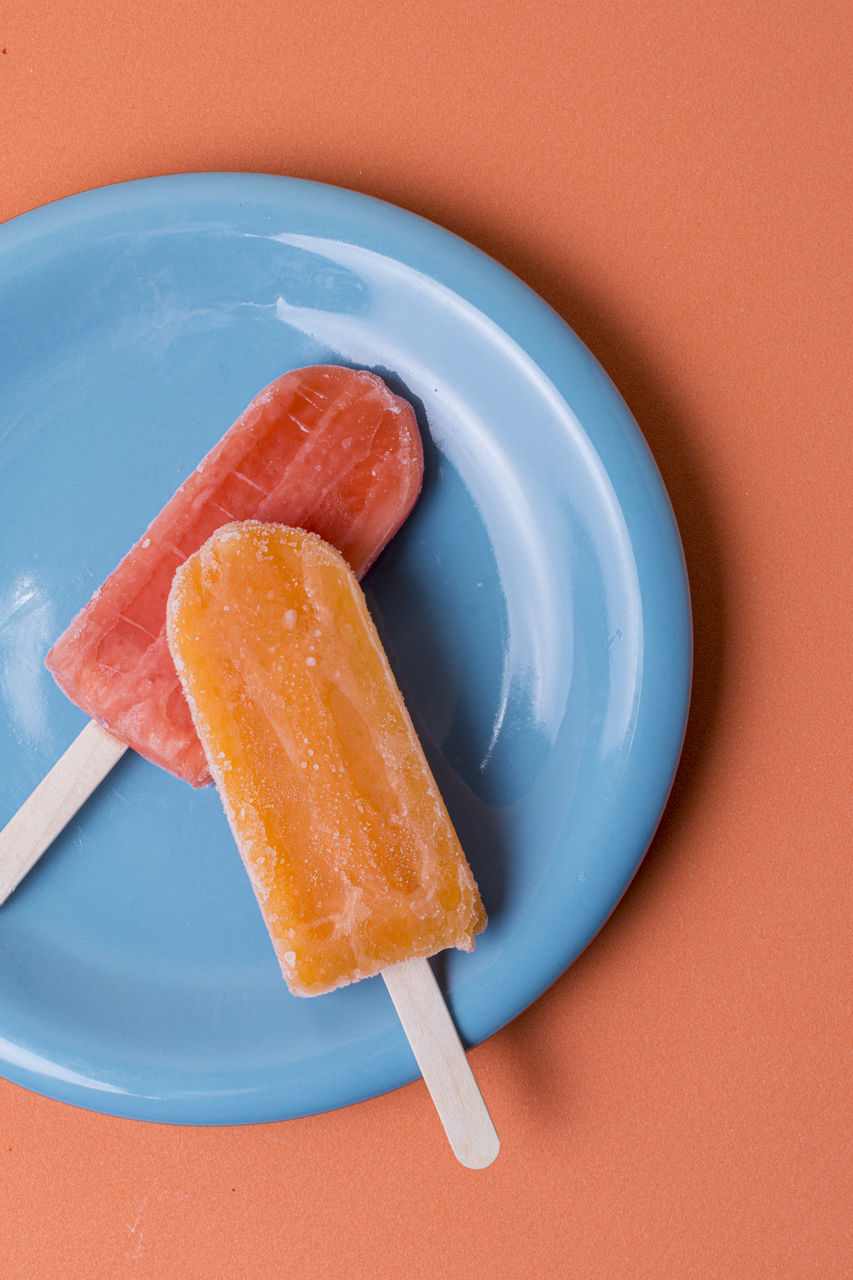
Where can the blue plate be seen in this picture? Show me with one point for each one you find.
(535, 610)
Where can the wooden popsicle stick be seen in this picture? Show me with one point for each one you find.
(445, 1068)
(54, 802)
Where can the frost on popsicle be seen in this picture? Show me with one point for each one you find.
(345, 836)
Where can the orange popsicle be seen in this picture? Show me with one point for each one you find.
(351, 852)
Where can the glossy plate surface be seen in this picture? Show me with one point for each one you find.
(534, 608)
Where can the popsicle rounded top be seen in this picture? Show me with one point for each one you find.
(325, 447)
(346, 838)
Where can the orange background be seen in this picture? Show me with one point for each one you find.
(674, 178)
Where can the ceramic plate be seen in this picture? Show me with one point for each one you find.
(534, 608)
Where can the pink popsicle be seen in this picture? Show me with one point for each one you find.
(326, 448)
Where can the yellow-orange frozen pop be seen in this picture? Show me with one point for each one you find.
(351, 852)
